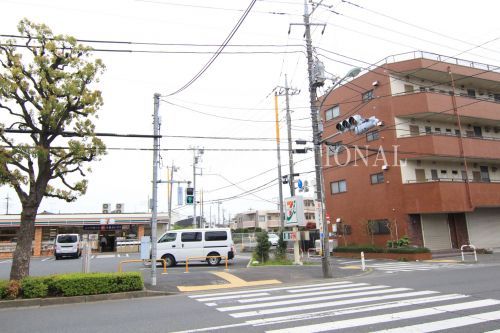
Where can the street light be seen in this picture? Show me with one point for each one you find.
(353, 72)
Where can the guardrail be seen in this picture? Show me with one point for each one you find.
(205, 257)
(140, 260)
(471, 246)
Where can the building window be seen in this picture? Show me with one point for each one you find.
(414, 130)
(379, 227)
(437, 129)
(496, 97)
(408, 88)
(344, 229)
(333, 112)
(377, 178)
(335, 148)
(262, 218)
(422, 89)
(367, 96)
(428, 130)
(371, 136)
(471, 93)
(434, 174)
(338, 187)
(485, 175)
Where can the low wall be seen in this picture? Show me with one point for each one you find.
(393, 256)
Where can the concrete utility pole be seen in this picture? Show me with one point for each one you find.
(290, 91)
(154, 208)
(325, 263)
(280, 179)
(7, 198)
(170, 187)
(218, 212)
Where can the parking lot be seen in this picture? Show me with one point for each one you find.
(108, 262)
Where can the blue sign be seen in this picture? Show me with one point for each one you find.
(300, 184)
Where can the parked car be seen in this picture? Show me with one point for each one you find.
(273, 239)
(67, 245)
(178, 245)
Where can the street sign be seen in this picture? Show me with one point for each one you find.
(291, 235)
(294, 212)
(300, 184)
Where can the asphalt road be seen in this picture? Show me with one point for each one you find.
(409, 297)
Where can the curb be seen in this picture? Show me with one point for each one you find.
(39, 302)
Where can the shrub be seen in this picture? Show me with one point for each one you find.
(77, 284)
(261, 251)
(35, 287)
(359, 248)
(4, 284)
(13, 289)
(281, 248)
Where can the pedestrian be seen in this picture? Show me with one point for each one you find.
(103, 242)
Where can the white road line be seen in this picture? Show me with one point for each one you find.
(269, 289)
(385, 318)
(309, 295)
(355, 309)
(46, 259)
(326, 288)
(211, 304)
(310, 300)
(5, 261)
(118, 255)
(127, 255)
(449, 323)
(355, 261)
(105, 256)
(304, 307)
(209, 299)
(403, 269)
(93, 256)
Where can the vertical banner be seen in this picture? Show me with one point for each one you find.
(294, 212)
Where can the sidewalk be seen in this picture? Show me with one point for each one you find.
(217, 278)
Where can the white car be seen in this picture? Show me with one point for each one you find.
(196, 245)
(67, 245)
(273, 239)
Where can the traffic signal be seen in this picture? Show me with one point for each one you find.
(189, 196)
(358, 124)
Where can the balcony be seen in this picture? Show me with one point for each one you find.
(441, 196)
(448, 145)
(429, 102)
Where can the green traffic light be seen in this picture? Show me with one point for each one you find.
(189, 199)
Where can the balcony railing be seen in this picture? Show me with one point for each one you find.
(440, 58)
(448, 180)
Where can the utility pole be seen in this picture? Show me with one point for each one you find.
(154, 208)
(170, 187)
(325, 263)
(289, 91)
(7, 198)
(197, 152)
(218, 212)
(280, 185)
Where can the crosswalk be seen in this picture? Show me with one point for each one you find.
(401, 266)
(351, 306)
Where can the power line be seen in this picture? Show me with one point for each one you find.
(218, 52)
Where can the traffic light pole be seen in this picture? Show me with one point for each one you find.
(325, 263)
(154, 208)
(280, 185)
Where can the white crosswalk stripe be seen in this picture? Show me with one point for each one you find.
(344, 305)
(392, 267)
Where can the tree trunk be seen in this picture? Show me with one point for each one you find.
(21, 260)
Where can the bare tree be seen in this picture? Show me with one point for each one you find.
(45, 91)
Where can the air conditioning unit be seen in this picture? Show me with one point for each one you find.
(120, 207)
(106, 207)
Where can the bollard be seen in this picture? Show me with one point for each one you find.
(363, 261)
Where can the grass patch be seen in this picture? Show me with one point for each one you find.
(273, 262)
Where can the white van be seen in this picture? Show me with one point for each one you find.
(68, 245)
(177, 245)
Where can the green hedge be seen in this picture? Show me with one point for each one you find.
(4, 284)
(374, 249)
(78, 284)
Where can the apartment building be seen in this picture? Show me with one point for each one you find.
(269, 220)
(432, 170)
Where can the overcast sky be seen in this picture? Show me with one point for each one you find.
(234, 97)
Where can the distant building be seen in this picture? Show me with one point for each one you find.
(432, 172)
(269, 219)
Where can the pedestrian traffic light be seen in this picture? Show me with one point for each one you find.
(358, 124)
(189, 196)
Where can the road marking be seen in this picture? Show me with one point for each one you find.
(449, 323)
(304, 307)
(105, 256)
(6, 261)
(234, 282)
(47, 259)
(349, 285)
(262, 299)
(355, 261)
(269, 289)
(208, 299)
(385, 318)
(309, 300)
